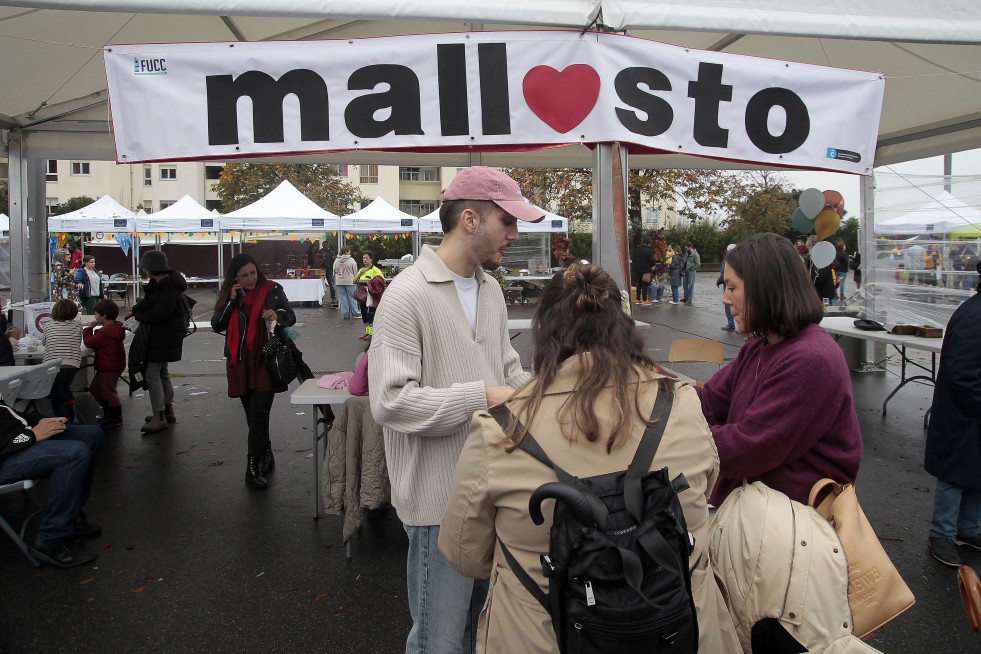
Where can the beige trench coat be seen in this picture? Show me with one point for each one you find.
(490, 496)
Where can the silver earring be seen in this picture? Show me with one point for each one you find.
(470, 235)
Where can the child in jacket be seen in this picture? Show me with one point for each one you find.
(110, 360)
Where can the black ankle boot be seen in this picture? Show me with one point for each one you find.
(253, 477)
(268, 460)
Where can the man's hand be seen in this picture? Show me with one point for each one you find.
(498, 394)
(12, 332)
(49, 427)
(129, 314)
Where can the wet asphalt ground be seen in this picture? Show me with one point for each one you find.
(191, 560)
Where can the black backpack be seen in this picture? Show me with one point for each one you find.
(617, 562)
(187, 305)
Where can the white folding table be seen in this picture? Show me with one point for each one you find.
(308, 393)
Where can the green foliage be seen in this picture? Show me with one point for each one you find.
(241, 184)
(381, 247)
(71, 204)
(764, 209)
(582, 244)
(708, 238)
(4, 198)
(848, 232)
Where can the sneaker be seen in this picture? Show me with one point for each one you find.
(969, 541)
(673, 302)
(655, 301)
(729, 328)
(84, 528)
(945, 551)
(64, 554)
(109, 422)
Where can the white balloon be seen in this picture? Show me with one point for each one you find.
(822, 254)
(811, 202)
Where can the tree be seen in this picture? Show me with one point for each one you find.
(4, 198)
(768, 206)
(71, 204)
(241, 184)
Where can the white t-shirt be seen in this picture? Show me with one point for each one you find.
(466, 289)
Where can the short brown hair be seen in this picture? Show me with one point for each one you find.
(64, 310)
(87, 258)
(106, 308)
(780, 298)
(449, 211)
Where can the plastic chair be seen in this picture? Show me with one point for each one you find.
(970, 586)
(37, 381)
(696, 350)
(18, 536)
(10, 389)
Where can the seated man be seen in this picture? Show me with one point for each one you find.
(66, 454)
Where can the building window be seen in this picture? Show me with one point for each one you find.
(80, 169)
(426, 208)
(166, 203)
(410, 207)
(213, 172)
(50, 203)
(148, 209)
(369, 174)
(147, 176)
(211, 205)
(339, 169)
(409, 174)
(52, 173)
(430, 175)
(168, 173)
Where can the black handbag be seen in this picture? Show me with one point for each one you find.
(277, 356)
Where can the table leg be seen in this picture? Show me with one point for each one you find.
(316, 463)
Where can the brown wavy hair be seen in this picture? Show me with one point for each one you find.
(579, 312)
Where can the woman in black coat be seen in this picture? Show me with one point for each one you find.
(247, 303)
(161, 316)
(953, 445)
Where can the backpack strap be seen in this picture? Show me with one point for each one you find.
(524, 577)
(632, 494)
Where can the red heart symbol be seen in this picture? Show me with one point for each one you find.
(561, 99)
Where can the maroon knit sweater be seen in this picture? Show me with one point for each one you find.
(783, 414)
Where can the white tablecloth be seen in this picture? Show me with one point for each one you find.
(304, 290)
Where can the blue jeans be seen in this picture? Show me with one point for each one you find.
(345, 298)
(444, 605)
(956, 511)
(329, 275)
(69, 460)
(732, 321)
(689, 284)
(674, 293)
(660, 292)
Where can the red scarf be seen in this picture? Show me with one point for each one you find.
(256, 298)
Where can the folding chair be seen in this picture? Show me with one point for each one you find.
(10, 387)
(18, 537)
(37, 381)
(696, 350)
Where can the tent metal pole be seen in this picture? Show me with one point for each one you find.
(221, 247)
(17, 195)
(605, 250)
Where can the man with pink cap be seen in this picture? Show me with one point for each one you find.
(440, 352)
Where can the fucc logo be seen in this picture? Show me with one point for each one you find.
(149, 66)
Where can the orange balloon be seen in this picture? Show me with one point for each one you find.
(834, 200)
(826, 223)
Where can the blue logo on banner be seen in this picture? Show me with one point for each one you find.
(406, 222)
(149, 66)
(207, 223)
(119, 223)
(316, 222)
(556, 224)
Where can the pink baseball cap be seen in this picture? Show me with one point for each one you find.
(482, 183)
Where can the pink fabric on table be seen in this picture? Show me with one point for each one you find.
(335, 380)
(359, 383)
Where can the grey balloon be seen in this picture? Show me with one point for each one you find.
(811, 202)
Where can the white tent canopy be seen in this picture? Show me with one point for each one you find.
(185, 215)
(284, 209)
(103, 215)
(378, 217)
(4, 225)
(550, 223)
(941, 215)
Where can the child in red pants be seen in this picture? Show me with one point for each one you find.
(110, 360)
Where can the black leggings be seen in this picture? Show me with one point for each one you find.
(367, 313)
(258, 405)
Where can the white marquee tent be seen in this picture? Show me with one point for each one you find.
(103, 215)
(429, 224)
(379, 217)
(283, 209)
(941, 215)
(185, 215)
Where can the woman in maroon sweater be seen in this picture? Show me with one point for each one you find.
(782, 411)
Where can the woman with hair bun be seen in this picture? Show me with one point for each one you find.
(782, 412)
(587, 406)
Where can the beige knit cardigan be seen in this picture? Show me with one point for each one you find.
(427, 372)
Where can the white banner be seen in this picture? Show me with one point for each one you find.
(486, 91)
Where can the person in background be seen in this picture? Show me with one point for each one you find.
(63, 340)
(675, 272)
(248, 304)
(953, 444)
(344, 271)
(161, 313)
(75, 261)
(359, 382)
(329, 258)
(730, 325)
(110, 360)
(364, 274)
(823, 279)
(587, 407)
(692, 262)
(88, 281)
(65, 454)
(841, 269)
(441, 352)
(62, 277)
(855, 264)
(782, 411)
(9, 332)
(643, 268)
